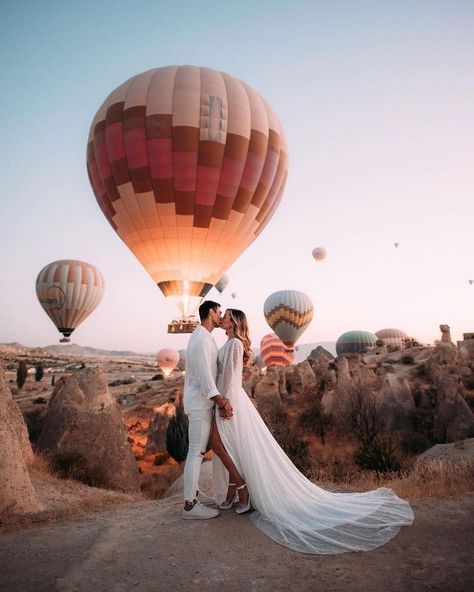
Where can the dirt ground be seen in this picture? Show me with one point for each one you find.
(147, 547)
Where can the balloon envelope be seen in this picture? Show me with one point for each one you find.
(289, 313)
(222, 284)
(319, 253)
(353, 342)
(392, 337)
(275, 353)
(69, 290)
(167, 360)
(188, 165)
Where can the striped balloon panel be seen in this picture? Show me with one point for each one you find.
(274, 353)
(69, 290)
(289, 313)
(188, 165)
(392, 337)
(354, 342)
(167, 360)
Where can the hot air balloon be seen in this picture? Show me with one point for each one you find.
(68, 291)
(188, 165)
(234, 295)
(275, 353)
(288, 312)
(167, 360)
(319, 253)
(392, 337)
(259, 362)
(222, 284)
(471, 282)
(395, 245)
(354, 342)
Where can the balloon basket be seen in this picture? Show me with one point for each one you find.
(184, 325)
(64, 340)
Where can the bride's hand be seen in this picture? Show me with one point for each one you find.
(225, 410)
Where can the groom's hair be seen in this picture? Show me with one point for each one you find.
(205, 307)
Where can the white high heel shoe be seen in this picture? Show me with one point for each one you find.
(246, 508)
(229, 505)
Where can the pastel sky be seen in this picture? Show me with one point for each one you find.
(377, 101)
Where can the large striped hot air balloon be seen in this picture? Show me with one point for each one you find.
(288, 312)
(167, 359)
(68, 291)
(353, 342)
(275, 353)
(188, 165)
(392, 337)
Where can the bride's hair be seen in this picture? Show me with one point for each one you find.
(241, 329)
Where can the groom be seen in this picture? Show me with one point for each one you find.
(200, 395)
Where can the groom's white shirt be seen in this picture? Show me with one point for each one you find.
(201, 371)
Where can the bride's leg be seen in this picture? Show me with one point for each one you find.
(234, 475)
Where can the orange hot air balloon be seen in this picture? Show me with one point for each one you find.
(167, 359)
(275, 353)
(188, 165)
(69, 290)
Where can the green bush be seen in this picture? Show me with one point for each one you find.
(177, 442)
(377, 455)
(21, 374)
(39, 373)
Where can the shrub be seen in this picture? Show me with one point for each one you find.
(161, 458)
(296, 448)
(415, 443)
(377, 455)
(177, 441)
(315, 421)
(39, 373)
(21, 374)
(74, 466)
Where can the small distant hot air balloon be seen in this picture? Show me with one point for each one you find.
(259, 362)
(275, 353)
(234, 295)
(222, 284)
(167, 360)
(289, 313)
(392, 337)
(319, 253)
(353, 342)
(69, 290)
(471, 282)
(395, 245)
(188, 165)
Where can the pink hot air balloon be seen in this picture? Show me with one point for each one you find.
(167, 360)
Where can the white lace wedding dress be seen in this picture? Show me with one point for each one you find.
(289, 508)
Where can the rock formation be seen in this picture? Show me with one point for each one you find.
(461, 450)
(445, 334)
(84, 421)
(156, 432)
(17, 495)
(302, 381)
(453, 419)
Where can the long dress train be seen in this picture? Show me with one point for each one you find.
(290, 509)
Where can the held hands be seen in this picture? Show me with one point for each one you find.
(225, 409)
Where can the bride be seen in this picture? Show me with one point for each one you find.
(290, 509)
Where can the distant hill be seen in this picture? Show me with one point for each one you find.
(71, 349)
(305, 349)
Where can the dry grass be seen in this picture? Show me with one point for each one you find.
(436, 478)
(63, 499)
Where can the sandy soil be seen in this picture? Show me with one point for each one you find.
(148, 547)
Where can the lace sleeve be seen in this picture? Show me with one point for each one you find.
(232, 366)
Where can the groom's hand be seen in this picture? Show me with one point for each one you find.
(225, 410)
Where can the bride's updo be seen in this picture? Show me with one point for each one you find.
(241, 330)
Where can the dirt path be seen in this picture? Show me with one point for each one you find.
(147, 547)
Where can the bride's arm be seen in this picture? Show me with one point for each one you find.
(232, 367)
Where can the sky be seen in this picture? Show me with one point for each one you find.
(377, 103)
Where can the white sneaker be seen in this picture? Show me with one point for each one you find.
(206, 500)
(200, 512)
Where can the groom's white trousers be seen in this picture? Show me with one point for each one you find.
(199, 431)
